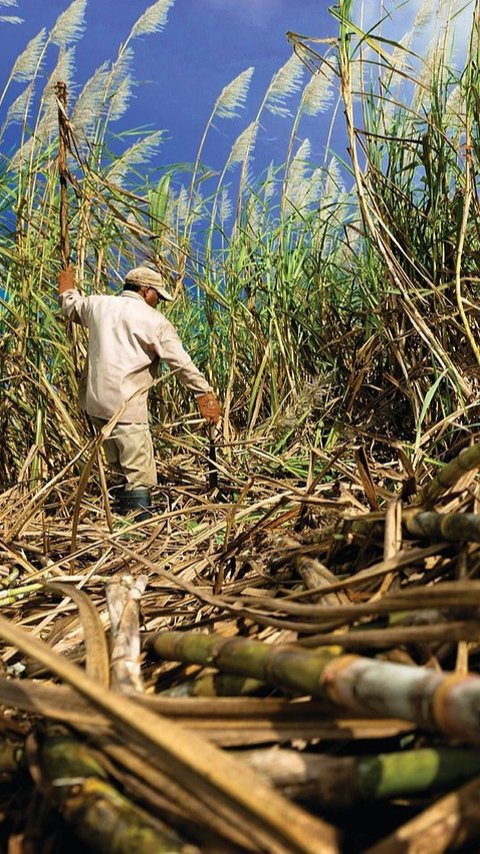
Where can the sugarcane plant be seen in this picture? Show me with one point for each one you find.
(315, 296)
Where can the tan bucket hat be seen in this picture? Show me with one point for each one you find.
(146, 277)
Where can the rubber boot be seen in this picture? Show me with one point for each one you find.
(137, 500)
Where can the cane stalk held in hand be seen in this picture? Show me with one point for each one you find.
(63, 142)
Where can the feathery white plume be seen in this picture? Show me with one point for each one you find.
(269, 183)
(10, 19)
(312, 188)
(120, 85)
(153, 19)
(392, 79)
(298, 165)
(474, 42)
(356, 77)
(318, 93)
(233, 96)
(22, 155)
(332, 183)
(18, 110)
(26, 63)
(253, 213)
(399, 57)
(304, 188)
(225, 208)
(121, 98)
(91, 100)
(243, 145)
(286, 82)
(431, 61)
(447, 7)
(196, 212)
(169, 215)
(121, 66)
(63, 71)
(138, 154)
(424, 15)
(306, 193)
(456, 108)
(249, 177)
(69, 25)
(295, 184)
(456, 100)
(181, 205)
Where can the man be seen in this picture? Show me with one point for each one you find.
(127, 338)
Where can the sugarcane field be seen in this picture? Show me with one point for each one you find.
(240, 427)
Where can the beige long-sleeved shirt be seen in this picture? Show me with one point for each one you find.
(126, 339)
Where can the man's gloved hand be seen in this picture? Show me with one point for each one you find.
(66, 279)
(209, 406)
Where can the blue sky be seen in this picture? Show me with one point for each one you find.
(182, 70)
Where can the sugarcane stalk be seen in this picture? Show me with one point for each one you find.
(64, 176)
(467, 460)
(122, 601)
(454, 527)
(313, 574)
(341, 782)
(208, 774)
(70, 774)
(432, 700)
(162, 795)
(8, 597)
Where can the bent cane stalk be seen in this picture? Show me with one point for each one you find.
(70, 773)
(467, 460)
(436, 701)
(206, 773)
(339, 782)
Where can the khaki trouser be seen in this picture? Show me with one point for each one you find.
(129, 452)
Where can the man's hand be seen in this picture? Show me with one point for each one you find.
(66, 279)
(209, 407)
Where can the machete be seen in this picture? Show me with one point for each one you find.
(212, 459)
